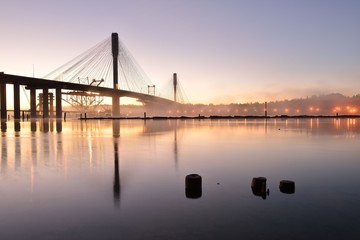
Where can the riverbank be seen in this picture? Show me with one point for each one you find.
(222, 117)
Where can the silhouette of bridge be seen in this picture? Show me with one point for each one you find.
(100, 62)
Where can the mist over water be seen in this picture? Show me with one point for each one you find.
(126, 178)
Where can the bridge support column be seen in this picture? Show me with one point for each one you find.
(115, 106)
(115, 53)
(175, 83)
(3, 100)
(58, 103)
(16, 100)
(46, 103)
(32, 102)
(51, 100)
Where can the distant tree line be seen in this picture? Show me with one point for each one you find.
(330, 104)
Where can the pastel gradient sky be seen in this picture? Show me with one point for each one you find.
(223, 51)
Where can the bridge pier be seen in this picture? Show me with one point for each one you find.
(3, 100)
(45, 103)
(115, 106)
(58, 103)
(16, 100)
(32, 102)
(51, 99)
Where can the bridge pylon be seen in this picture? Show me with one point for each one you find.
(175, 83)
(115, 54)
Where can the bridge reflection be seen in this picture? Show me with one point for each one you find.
(116, 175)
(25, 146)
(329, 126)
(116, 185)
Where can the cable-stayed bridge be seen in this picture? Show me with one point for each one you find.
(106, 70)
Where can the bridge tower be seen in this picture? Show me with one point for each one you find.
(115, 54)
(175, 83)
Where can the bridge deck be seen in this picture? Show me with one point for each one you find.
(38, 83)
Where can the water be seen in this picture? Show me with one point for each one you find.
(126, 179)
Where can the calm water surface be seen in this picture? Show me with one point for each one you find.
(126, 179)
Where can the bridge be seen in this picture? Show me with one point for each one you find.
(62, 87)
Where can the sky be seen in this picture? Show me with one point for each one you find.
(228, 51)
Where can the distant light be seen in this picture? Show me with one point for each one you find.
(353, 110)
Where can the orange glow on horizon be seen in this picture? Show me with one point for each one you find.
(353, 110)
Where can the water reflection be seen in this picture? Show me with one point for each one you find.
(176, 152)
(116, 128)
(4, 154)
(116, 135)
(17, 125)
(17, 153)
(329, 126)
(34, 158)
(116, 175)
(82, 159)
(3, 126)
(59, 125)
(45, 126)
(33, 125)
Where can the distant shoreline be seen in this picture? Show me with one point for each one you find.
(221, 117)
